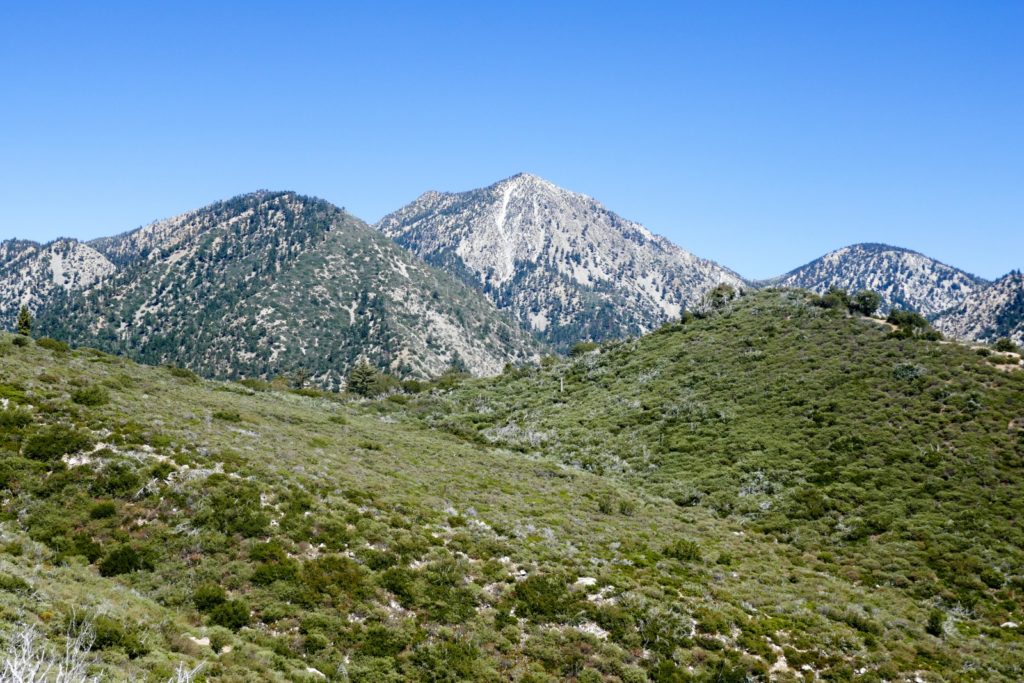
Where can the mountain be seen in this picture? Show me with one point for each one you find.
(561, 263)
(276, 283)
(776, 492)
(988, 313)
(903, 278)
(32, 273)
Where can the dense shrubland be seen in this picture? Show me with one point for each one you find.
(774, 488)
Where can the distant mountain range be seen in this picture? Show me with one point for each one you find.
(274, 282)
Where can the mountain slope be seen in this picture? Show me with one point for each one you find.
(31, 273)
(894, 463)
(903, 278)
(773, 492)
(989, 313)
(272, 283)
(558, 261)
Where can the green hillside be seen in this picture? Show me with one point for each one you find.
(775, 491)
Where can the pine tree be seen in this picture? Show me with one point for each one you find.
(363, 380)
(24, 321)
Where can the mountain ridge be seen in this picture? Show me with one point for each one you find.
(559, 262)
(275, 282)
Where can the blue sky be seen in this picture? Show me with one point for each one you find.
(759, 134)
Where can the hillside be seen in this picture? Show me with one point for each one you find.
(31, 274)
(276, 283)
(988, 314)
(886, 462)
(560, 262)
(773, 490)
(903, 278)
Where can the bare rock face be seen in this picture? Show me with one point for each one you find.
(561, 263)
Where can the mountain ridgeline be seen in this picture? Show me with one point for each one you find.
(275, 283)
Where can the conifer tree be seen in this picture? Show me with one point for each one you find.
(363, 379)
(24, 325)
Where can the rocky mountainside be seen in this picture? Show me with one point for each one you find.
(904, 278)
(989, 313)
(276, 283)
(560, 262)
(32, 273)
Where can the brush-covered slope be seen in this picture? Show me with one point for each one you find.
(272, 283)
(988, 314)
(32, 273)
(903, 278)
(281, 536)
(896, 465)
(560, 262)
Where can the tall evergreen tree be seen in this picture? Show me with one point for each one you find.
(24, 321)
(363, 379)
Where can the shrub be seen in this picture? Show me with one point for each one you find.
(208, 596)
(232, 507)
(835, 298)
(53, 345)
(123, 559)
(15, 419)
(108, 633)
(936, 619)
(183, 373)
(911, 325)
(544, 598)
(103, 510)
(269, 572)
(13, 584)
(91, 396)
(865, 302)
(53, 442)
(1006, 345)
(20, 341)
(231, 614)
(683, 550)
(219, 639)
(582, 347)
(255, 384)
(227, 415)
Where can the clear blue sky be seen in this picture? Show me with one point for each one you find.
(759, 134)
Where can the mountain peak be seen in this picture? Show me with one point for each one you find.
(559, 261)
(904, 278)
